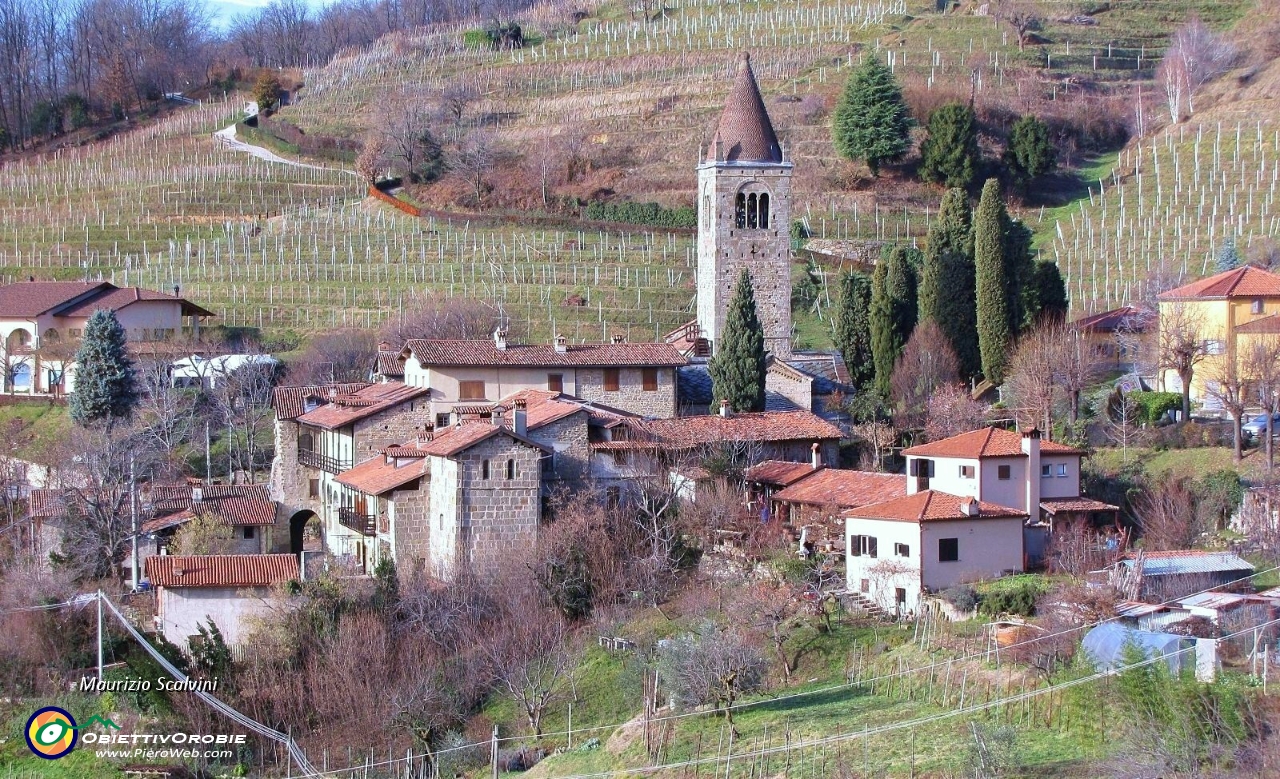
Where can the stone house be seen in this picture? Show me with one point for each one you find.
(235, 592)
(41, 323)
(818, 501)
(246, 509)
(637, 378)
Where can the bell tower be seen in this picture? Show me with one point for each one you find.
(744, 216)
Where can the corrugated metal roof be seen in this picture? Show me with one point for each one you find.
(1188, 561)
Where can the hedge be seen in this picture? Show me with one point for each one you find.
(1152, 406)
(650, 214)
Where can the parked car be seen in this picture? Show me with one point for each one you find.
(1258, 426)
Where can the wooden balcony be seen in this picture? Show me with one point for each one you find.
(364, 524)
(322, 462)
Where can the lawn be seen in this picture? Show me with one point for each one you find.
(31, 429)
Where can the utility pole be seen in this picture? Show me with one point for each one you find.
(208, 455)
(133, 514)
(99, 636)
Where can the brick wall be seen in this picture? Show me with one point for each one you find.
(631, 395)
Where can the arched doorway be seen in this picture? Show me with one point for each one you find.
(305, 532)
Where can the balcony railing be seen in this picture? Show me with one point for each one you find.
(364, 524)
(322, 461)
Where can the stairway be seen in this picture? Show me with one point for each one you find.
(856, 601)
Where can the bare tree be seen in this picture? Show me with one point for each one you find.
(951, 411)
(404, 132)
(475, 159)
(1261, 356)
(167, 414)
(337, 356)
(242, 400)
(775, 610)
(927, 363)
(1121, 426)
(1030, 381)
(1024, 17)
(436, 316)
(1225, 382)
(1181, 346)
(713, 665)
(1166, 513)
(372, 159)
(1201, 56)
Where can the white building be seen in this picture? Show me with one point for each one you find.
(233, 591)
(209, 372)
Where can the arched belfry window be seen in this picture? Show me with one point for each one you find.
(751, 209)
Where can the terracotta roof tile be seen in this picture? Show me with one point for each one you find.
(1061, 505)
(458, 438)
(744, 130)
(373, 399)
(389, 365)
(986, 442)
(386, 472)
(1129, 318)
(464, 353)
(688, 432)
(1267, 325)
(778, 473)
(33, 298)
(291, 402)
(931, 506)
(239, 570)
(844, 489)
(117, 298)
(234, 504)
(1243, 282)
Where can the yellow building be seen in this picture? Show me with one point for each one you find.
(1221, 316)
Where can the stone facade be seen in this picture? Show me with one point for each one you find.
(499, 516)
(631, 396)
(409, 513)
(725, 248)
(569, 442)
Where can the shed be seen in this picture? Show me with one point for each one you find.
(1105, 646)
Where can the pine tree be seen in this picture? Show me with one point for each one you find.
(1029, 154)
(1019, 274)
(947, 280)
(1228, 256)
(106, 385)
(737, 369)
(852, 334)
(893, 310)
(949, 155)
(871, 120)
(992, 289)
(1048, 291)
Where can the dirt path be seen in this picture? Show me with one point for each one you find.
(227, 137)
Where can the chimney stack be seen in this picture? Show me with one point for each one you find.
(1031, 448)
(970, 507)
(724, 408)
(197, 495)
(500, 339)
(618, 339)
(562, 344)
(816, 457)
(520, 419)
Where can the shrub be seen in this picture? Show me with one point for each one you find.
(1014, 595)
(962, 597)
(1152, 406)
(650, 214)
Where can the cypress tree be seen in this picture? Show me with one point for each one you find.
(852, 334)
(106, 386)
(737, 369)
(1029, 154)
(992, 287)
(1228, 256)
(949, 155)
(871, 120)
(893, 310)
(1049, 292)
(947, 280)
(1019, 274)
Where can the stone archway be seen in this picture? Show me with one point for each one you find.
(298, 530)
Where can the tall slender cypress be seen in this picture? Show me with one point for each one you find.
(947, 280)
(893, 309)
(737, 369)
(105, 384)
(852, 334)
(992, 289)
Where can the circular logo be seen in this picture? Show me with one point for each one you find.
(51, 733)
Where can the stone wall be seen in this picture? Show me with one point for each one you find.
(631, 395)
(411, 526)
(724, 249)
(499, 516)
(797, 390)
(396, 425)
(571, 449)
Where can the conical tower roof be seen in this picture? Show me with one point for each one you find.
(744, 131)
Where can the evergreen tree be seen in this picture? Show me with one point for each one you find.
(949, 155)
(1029, 154)
(992, 289)
(737, 369)
(1049, 292)
(1019, 274)
(893, 310)
(1228, 256)
(106, 384)
(947, 280)
(871, 120)
(852, 334)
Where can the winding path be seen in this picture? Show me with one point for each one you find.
(227, 137)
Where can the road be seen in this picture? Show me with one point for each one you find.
(227, 137)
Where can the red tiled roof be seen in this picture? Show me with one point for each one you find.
(844, 489)
(778, 473)
(388, 364)
(1126, 317)
(987, 442)
(450, 441)
(1066, 505)
(232, 570)
(541, 407)
(744, 130)
(33, 298)
(376, 476)
(234, 504)
(931, 506)
(1268, 325)
(764, 426)
(291, 402)
(117, 298)
(1243, 282)
(619, 355)
(343, 410)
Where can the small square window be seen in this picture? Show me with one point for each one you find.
(248, 532)
(966, 471)
(900, 596)
(902, 550)
(555, 382)
(1046, 471)
(1003, 472)
(611, 379)
(471, 390)
(948, 550)
(442, 420)
(1062, 471)
(313, 490)
(650, 377)
(1258, 307)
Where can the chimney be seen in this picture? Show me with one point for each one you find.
(1031, 448)
(197, 495)
(562, 344)
(500, 339)
(618, 339)
(970, 507)
(520, 418)
(177, 290)
(816, 458)
(724, 408)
